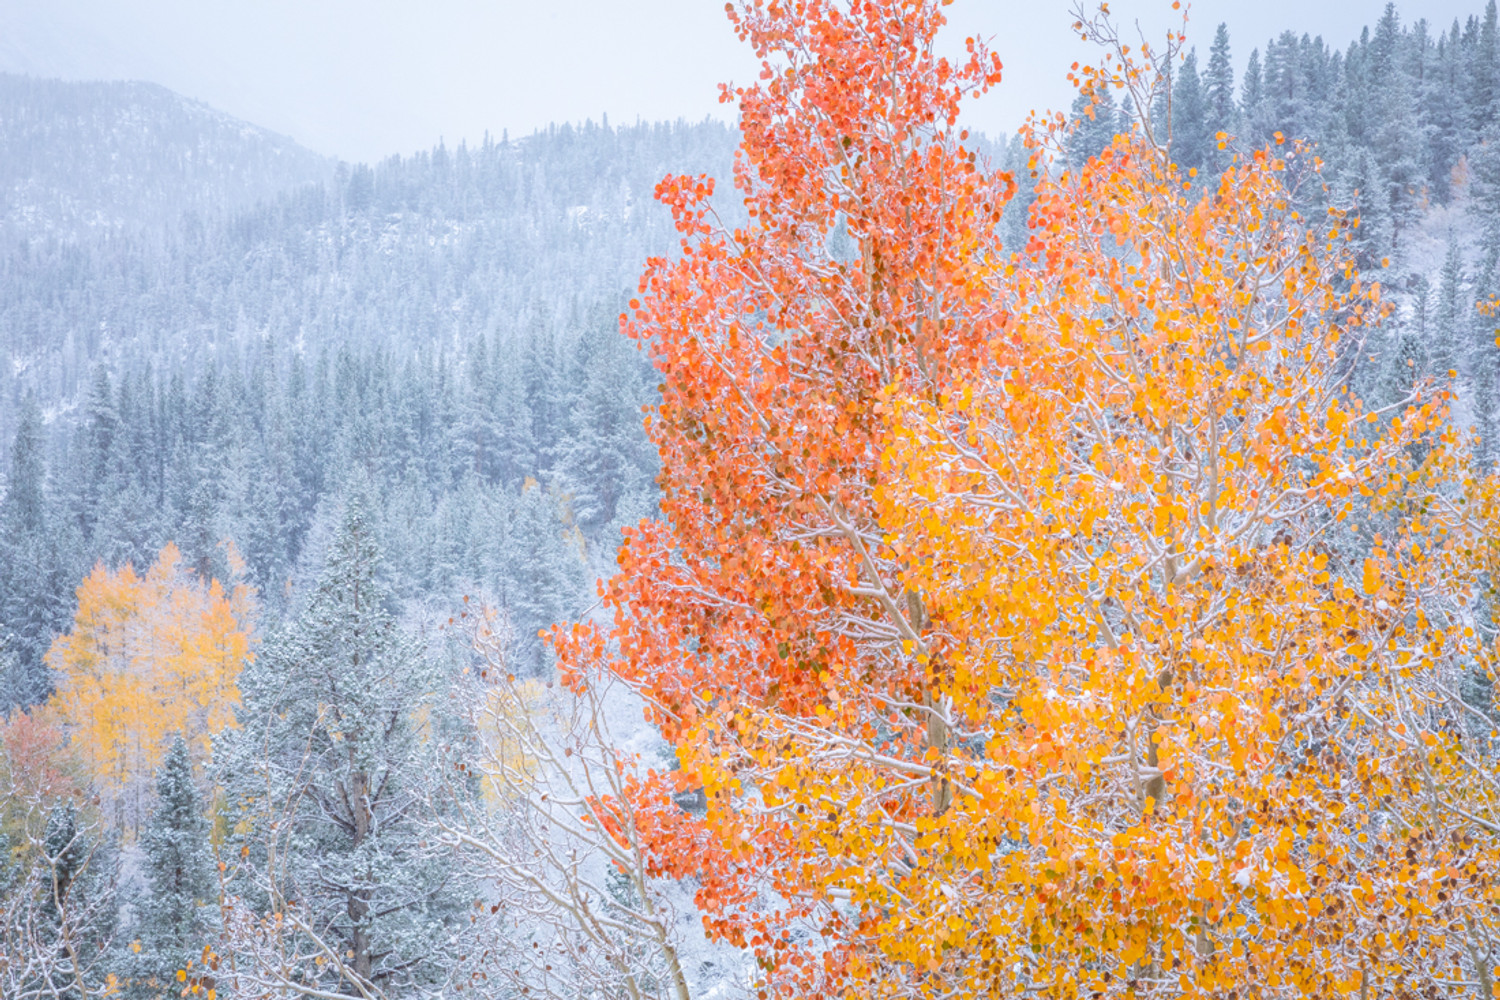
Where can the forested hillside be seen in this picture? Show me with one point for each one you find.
(109, 159)
(444, 322)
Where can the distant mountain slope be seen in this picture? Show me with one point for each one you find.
(420, 253)
(131, 156)
(213, 345)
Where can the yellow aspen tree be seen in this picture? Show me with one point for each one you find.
(149, 656)
(1200, 618)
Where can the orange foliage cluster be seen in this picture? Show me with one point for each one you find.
(37, 771)
(1006, 605)
(148, 656)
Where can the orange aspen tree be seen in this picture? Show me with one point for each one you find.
(38, 771)
(765, 593)
(149, 656)
(1049, 623)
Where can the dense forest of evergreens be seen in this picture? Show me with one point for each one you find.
(444, 322)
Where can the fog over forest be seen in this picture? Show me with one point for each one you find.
(308, 463)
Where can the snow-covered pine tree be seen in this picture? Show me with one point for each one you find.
(1013, 223)
(542, 577)
(605, 454)
(1402, 363)
(1253, 112)
(1364, 182)
(327, 776)
(1483, 72)
(1091, 133)
(1192, 136)
(515, 438)
(1448, 346)
(1397, 139)
(1484, 356)
(1218, 88)
(32, 584)
(74, 887)
(94, 445)
(479, 433)
(175, 922)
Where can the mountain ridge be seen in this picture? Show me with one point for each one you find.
(132, 156)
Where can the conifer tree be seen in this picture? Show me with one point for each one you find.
(1013, 223)
(1364, 182)
(1218, 83)
(479, 436)
(32, 591)
(1253, 102)
(1484, 359)
(514, 424)
(1484, 64)
(96, 444)
(1192, 135)
(1396, 139)
(604, 455)
(1096, 120)
(1403, 363)
(1448, 344)
(327, 776)
(174, 921)
(542, 573)
(1485, 164)
(75, 889)
(65, 849)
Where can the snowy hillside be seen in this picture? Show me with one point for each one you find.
(81, 157)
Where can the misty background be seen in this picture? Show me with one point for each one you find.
(363, 79)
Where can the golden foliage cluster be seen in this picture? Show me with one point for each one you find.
(149, 656)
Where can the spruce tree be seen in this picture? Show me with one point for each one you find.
(542, 577)
(1484, 73)
(75, 888)
(1093, 129)
(1484, 359)
(1485, 164)
(606, 453)
(335, 747)
(1253, 101)
(1442, 114)
(1218, 88)
(33, 583)
(1448, 346)
(65, 849)
(1192, 136)
(1395, 137)
(96, 444)
(1013, 224)
(1402, 364)
(515, 436)
(479, 436)
(174, 920)
(1364, 182)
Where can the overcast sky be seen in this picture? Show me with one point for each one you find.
(362, 79)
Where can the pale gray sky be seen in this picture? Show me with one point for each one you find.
(363, 79)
